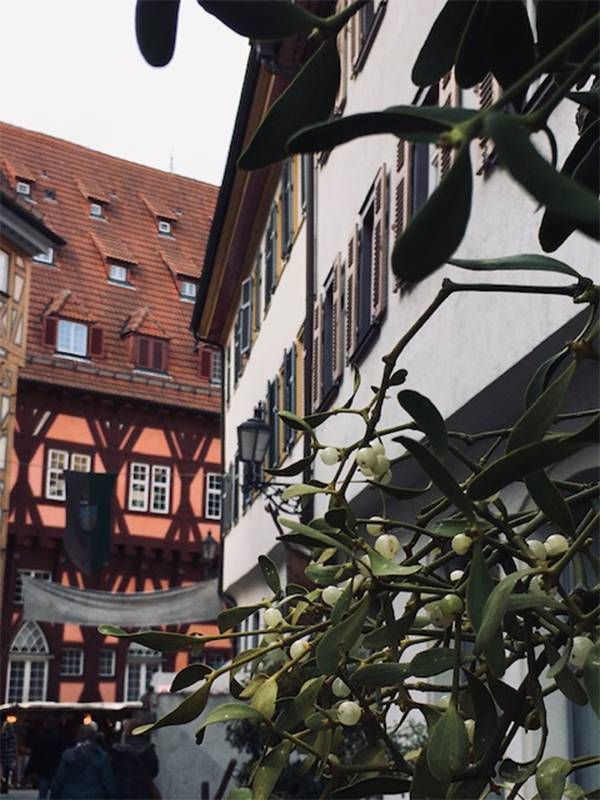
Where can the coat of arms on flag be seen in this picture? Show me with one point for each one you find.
(89, 519)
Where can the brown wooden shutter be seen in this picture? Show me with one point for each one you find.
(352, 295)
(96, 342)
(300, 372)
(449, 95)
(316, 355)
(380, 246)
(337, 336)
(205, 362)
(403, 186)
(354, 40)
(50, 331)
(143, 352)
(342, 43)
(488, 91)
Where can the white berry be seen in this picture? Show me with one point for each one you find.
(378, 448)
(461, 544)
(330, 456)
(271, 638)
(299, 648)
(437, 615)
(374, 526)
(357, 582)
(339, 688)
(273, 617)
(382, 465)
(368, 473)
(556, 544)
(456, 575)
(443, 701)
(579, 652)
(451, 605)
(537, 548)
(470, 726)
(349, 712)
(387, 478)
(387, 545)
(364, 565)
(366, 457)
(331, 594)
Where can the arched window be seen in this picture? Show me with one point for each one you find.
(28, 665)
(142, 663)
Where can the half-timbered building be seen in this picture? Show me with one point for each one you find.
(112, 382)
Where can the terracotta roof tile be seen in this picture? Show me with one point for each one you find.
(65, 304)
(18, 169)
(142, 321)
(158, 209)
(91, 191)
(79, 269)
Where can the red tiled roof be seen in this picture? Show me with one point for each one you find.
(16, 168)
(127, 232)
(66, 305)
(92, 191)
(158, 209)
(141, 321)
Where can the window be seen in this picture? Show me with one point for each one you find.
(72, 338)
(23, 188)
(45, 257)
(289, 392)
(71, 662)
(118, 273)
(419, 177)
(273, 421)
(149, 486)
(57, 461)
(4, 271)
(27, 665)
(106, 663)
(212, 509)
(365, 266)
(42, 575)
(161, 487)
(142, 664)
(150, 354)
(270, 255)
(187, 290)
(287, 208)
(327, 334)
(164, 227)
(237, 352)
(96, 210)
(216, 368)
(245, 315)
(257, 296)
(228, 374)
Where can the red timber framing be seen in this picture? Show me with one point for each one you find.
(150, 550)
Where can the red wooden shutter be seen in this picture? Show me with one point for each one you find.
(449, 95)
(316, 355)
(380, 246)
(159, 355)
(488, 91)
(342, 43)
(205, 362)
(50, 331)
(143, 352)
(96, 342)
(351, 295)
(337, 339)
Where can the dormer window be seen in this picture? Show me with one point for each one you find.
(188, 290)
(23, 188)
(164, 227)
(72, 338)
(118, 273)
(150, 353)
(45, 257)
(96, 210)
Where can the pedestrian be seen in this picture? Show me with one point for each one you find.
(8, 754)
(46, 751)
(84, 771)
(135, 765)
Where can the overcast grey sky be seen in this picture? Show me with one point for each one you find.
(72, 69)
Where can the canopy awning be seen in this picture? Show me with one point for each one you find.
(49, 705)
(50, 602)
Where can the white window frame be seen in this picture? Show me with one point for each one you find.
(160, 484)
(4, 271)
(23, 188)
(27, 660)
(188, 290)
(140, 484)
(110, 671)
(96, 210)
(78, 462)
(213, 495)
(143, 662)
(71, 333)
(164, 227)
(38, 574)
(118, 273)
(45, 257)
(74, 668)
(216, 368)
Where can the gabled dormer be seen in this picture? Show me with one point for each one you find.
(165, 218)
(147, 341)
(96, 198)
(118, 261)
(68, 329)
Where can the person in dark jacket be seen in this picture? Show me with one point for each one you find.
(8, 754)
(135, 765)
(46, 751)
(84, 772)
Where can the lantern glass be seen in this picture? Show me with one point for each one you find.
(253, 441)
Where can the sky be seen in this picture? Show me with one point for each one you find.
(72, 69)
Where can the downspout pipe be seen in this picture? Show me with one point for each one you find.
(309, 173)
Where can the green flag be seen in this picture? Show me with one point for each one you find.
(89, 519)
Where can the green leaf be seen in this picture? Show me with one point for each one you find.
(551, 776)
(589, 100)
(479, 588)
(314, 420)
(399, 492)
(191, 708)
(189, 675)
(448, 749)
(294, 422)
(292, 469)
(413, 123)
(428, 418)
(438, 473)
(324, 574)
(270, 574)
(231, 712)
(449, 528)
(300, 490)
(417, 253)
(591, 677)
(265, 697)
(549, 187)
(156, 30)
(495, 608)
(301, 705)
(555, 21)
(370, 787)
(508, 21)
(550, 501)
(565, 680)
(486, 717)
(341, 638)
(374, 676)
(514, 772)
(164, 641)
(467, 790)
(385, 568)
(426, 786)
(304, 534)
(270, 769)
(437, 55)
(503, 694)
(542, 375)
(240, 793)
(472, 56)
(381, 636)
(308, 99)
(525, 262)
(269, 19)
(432, 662)
(231, 617)
(342, 605)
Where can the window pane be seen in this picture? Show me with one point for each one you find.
(72, 338)
(16, 681)
(71, 662)
(106, 663)
(4, 267)
(133, 688)
(37, 680)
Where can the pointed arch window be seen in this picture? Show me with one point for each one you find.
(142, 664)
(28, 665)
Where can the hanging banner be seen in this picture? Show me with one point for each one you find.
(89, 519)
